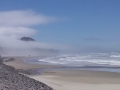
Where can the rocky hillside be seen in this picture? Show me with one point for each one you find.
(11, 79)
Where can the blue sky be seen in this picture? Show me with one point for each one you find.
(93, 24)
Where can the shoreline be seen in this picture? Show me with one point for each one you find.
(70, 79)
(20, 63)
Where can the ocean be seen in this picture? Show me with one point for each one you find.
(86, 61)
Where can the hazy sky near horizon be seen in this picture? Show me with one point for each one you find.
(88, 24)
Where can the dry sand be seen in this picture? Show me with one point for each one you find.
(72, 79)
(80, 80)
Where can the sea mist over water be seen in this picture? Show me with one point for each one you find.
(16, 47)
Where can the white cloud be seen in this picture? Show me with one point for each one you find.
(16, 24)
(16, 31)
(23, 18)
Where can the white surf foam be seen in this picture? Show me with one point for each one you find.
(93, 59)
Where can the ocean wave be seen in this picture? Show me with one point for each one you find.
(92, 59)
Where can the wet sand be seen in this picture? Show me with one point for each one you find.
(18, 63)
(72, 79)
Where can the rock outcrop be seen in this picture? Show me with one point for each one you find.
(27, 39)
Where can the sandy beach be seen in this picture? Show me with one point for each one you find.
(79, 83)
(71, 79)
(18, 63)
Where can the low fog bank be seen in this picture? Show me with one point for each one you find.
(25, 46)
(17, 47)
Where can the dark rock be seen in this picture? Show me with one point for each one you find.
(27, 39)
(8, 59)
